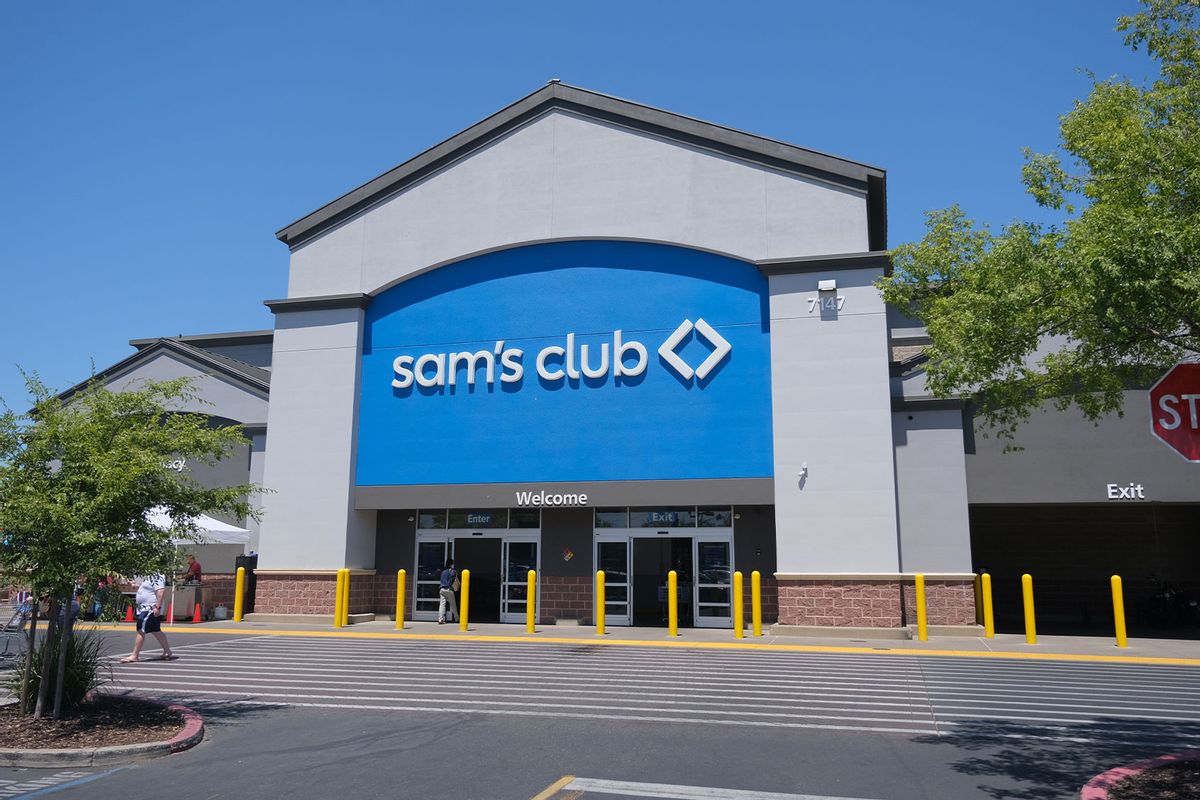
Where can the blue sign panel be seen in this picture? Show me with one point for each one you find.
(570, 361)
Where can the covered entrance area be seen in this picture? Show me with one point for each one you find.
(498, 546)
(649, 543)
(1071, 550)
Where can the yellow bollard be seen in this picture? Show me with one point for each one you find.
(978, 600)
(600, 602)
(337, 599)
(922, 614)
(465, 602)
(401, 591)
(345, 599)
(531, 602)
(989, 619)
(239, 594)
(672, 604)
(756, 602)
(739, 612)
(1030, 623)
(1119, 611)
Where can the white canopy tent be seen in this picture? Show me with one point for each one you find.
(208, 530)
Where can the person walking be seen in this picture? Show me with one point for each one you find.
(148, 600)
(449, 583)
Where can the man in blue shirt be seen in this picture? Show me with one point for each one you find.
(446, 593)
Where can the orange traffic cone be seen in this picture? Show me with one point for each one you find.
(129, 613)
(171, 614)
(196, 616)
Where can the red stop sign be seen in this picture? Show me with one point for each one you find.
(1175, 410)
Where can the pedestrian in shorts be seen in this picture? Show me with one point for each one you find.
(149, 600)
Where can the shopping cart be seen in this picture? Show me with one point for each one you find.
(21, 609)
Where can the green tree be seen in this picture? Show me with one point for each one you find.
(77, 478)
(1077, 312)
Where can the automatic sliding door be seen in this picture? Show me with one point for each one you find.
(519, 557)
(431, 559)
(613, 557)
(714, 583)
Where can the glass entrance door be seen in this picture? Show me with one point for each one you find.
(517, 558)
(432, 552)
(714, 582)
(612, 556)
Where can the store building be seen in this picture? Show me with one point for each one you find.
(585, 333)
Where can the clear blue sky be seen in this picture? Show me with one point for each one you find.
(149, 151)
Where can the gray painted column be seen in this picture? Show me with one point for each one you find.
(931, 483)
(831, 406)
(310, 522)
(258, 459)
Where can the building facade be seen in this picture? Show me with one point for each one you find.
(587, 334)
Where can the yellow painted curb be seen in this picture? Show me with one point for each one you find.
(785, 648)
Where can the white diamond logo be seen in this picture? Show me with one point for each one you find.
(721, 348)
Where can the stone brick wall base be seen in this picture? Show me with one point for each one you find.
(946, 602)
(218, 591)
(873, 602)
(281, 593)
(840, 602)
(770, 599)
(566, 598)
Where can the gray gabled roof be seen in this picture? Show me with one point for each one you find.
(728, 141)
(254, 379)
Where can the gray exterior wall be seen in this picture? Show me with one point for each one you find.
(564, 176)
(599, 493)
(396, 542)
(258, 463)
(310, 521)
(567, 528)
(931, 491)
(221, 396)
(831, 405)
(754, 542)
(1067, 459)
(257, 354)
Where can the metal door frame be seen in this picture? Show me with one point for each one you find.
(526, 535)
(603, 535)
(505, 535)
(447, 540)
(711, 622)
(695, 534)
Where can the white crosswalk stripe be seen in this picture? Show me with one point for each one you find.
(909, 695)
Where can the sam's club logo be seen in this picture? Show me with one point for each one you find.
(620, 358)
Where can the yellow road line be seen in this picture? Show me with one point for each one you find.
(784, 648)
(552, 789)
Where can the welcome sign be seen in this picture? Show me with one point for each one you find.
(571, 361)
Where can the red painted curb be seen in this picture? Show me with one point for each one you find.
(1097, 788)
(189, 736)
(193, 729)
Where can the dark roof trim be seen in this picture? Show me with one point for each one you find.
(200, 340)
(729, 141)
(322, 303)
(252, 378)
(792, 266)
(928, 404)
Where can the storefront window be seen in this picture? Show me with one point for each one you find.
(612, 518)
(431, 520)
(479, 518)
(675, 517)
(716, 517)
(525, 518)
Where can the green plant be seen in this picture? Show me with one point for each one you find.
(87, 668)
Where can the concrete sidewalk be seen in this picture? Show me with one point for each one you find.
(773, 638)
